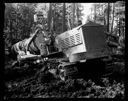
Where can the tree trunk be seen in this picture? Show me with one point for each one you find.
(69, 24)
(49, 16)
(94, 13)
(77, 13)
(63, 20)
(108, 17)
(104, 19)
(73, 15)
(112, 17)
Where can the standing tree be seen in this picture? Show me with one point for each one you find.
(19, 18)
(63, 19)
(18, 21)
(50, 16)
(108, 13)
(63, 15)
(113, 11)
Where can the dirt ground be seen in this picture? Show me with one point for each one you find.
(29, 82)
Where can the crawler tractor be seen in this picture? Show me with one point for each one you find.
(76, 48)
(83, 44)
(87, 50)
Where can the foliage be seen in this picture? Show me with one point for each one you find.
(18, 22)
(54, 12)
(116, 12)
(113, 16)
(19, 19)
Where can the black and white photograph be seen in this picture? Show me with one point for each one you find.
(64, 50)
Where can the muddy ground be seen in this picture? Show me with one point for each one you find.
(30, 82)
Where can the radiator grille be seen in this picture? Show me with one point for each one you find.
(70, 41)
(78, 39)
(67, 42)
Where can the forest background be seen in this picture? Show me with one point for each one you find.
(59, 17)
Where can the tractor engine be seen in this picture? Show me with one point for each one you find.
(84, 42)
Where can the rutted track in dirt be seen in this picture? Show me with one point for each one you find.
(44, 85)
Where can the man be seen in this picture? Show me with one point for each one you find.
(22, 48)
